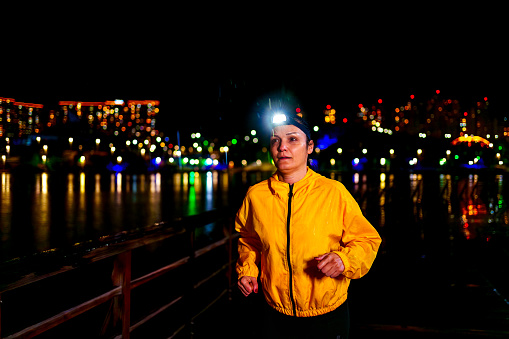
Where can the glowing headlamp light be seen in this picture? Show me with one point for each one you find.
(278, 118)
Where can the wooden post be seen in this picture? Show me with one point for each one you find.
(191, 281)
(121, 276)
(230, 256)
(0, 315)
(126, 294)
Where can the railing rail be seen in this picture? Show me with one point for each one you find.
(124, 284)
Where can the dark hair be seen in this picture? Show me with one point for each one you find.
(298, 121)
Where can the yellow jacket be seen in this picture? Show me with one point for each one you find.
(284, 227)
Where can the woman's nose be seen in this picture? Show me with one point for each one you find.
(282, 146)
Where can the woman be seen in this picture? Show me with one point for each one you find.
(306, 236)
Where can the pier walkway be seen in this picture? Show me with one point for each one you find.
(459, 299)
(446, 287)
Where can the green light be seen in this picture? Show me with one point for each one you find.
(205, 143)
(234, 141)
(499, 148)
(456, 157)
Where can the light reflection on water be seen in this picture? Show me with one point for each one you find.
(50, 210)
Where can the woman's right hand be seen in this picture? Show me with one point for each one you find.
(247, 285)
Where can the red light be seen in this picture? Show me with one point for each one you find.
(297, 110)
(328, 106)
(437, 91)
(485, 98)
(465, 114)
(360, 106)
(379, 101)
(345, 120)
(412, 96)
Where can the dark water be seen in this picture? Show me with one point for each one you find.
(49, 210)
(43, 211)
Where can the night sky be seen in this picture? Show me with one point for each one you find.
(191, 66)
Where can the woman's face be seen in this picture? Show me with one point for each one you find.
(289, 148)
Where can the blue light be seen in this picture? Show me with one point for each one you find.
(325, 142)
(358, 164)
(117, 167)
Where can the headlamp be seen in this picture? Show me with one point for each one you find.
(278, 118)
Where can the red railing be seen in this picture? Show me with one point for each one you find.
(123, 284)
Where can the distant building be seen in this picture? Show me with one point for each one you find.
(19, 118)
(115, 117)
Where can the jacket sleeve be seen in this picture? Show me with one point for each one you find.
(360, 241)
(249, 245)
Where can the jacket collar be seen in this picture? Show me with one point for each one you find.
(281, 188)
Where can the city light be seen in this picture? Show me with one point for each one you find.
(134, 123)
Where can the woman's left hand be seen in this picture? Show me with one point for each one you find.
(330, 264)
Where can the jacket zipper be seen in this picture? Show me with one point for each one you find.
(290, 195)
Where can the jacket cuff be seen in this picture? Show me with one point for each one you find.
(346, 262)
(247, 272)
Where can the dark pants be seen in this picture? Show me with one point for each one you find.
(332, 325)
